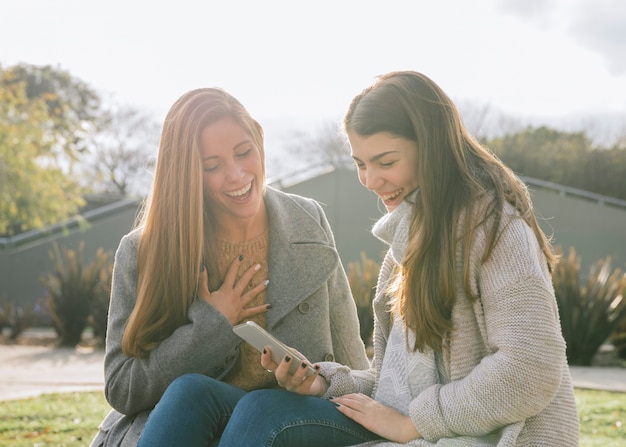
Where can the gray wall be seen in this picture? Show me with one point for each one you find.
(596, 228)
(351, 210)
(594, 225)
(25, 258)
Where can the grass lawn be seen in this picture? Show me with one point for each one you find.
(71, 419)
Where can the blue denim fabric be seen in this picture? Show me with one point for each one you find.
(192, 412)
(280, 418)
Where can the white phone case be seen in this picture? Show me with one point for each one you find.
(259, 338)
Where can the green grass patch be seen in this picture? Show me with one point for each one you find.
(66, 419)
(602, 418)
(71, 419)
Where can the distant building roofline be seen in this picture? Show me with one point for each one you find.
(89, 213)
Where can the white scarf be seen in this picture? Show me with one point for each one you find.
(405, 373)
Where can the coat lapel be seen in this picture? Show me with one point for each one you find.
(302, 256)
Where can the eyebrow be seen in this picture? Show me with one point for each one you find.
(375, 157)
(244, 142)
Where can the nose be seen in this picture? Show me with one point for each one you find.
(235, 172)
(369, 179)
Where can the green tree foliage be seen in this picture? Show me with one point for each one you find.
(34, 190)
(604, 172)
(71, 105)
(543, 153)
(567, 158)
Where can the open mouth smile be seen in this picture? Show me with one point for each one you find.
(241, 193)
(391, 196)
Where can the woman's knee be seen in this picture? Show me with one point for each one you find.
(261, 400)
(189, 385)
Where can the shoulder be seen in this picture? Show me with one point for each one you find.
(516, 254)
(280, 202)
(127, 248)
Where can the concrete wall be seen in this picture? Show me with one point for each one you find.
(351, 210)
(25, 258)
(594, 225)
(596, 230)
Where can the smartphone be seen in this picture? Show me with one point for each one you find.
(259, 338)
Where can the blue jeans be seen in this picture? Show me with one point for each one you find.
(280, 418)
(193, 411)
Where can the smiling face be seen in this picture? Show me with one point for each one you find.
(386, 165)
(232, 174)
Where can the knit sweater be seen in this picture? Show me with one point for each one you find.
(507, 381)
(247, 373)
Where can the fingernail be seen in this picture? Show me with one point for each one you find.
(266, 282)
(202, 267)
(317, 367)
(269, 306)
(264, 351)
(287, 358)
(240, 258)
(302, 365)
(257, 267)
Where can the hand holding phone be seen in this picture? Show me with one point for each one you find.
(259, 338)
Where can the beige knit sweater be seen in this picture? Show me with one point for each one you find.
(507, 380)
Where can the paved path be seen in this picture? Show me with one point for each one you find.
(28, 371)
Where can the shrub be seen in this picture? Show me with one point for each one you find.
(16, 318)
(589, 312)
(19, 318)
(100, 303)
(71, 290)
(362, 276)
(618, 339)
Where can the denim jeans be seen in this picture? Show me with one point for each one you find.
(193, 411)
(280, 418)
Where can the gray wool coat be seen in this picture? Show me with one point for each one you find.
(312, 310)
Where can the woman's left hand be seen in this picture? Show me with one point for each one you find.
(377, 418)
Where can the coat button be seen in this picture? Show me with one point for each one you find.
(329, 357)
(304, 307)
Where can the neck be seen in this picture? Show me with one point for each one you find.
(242, 230)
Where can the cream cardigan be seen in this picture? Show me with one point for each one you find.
(508, 382)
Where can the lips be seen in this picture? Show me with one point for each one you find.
(391, 196)
(241, 193)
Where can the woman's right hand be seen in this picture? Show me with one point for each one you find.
(231, 298)
(298, 382)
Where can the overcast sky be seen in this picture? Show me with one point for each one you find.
(296, 63)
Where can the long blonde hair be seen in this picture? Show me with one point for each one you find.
(176, 236)
(456, 177)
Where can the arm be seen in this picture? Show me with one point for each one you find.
(205, 345)
(520, 372)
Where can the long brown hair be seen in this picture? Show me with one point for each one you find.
(177, 228)
(458, 178)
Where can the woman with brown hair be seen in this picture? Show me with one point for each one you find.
(468, 349)
(215, 247)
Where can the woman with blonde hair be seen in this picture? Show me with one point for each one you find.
(468, 349)
(215, 247)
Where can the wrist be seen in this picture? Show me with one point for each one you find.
(409, 431)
